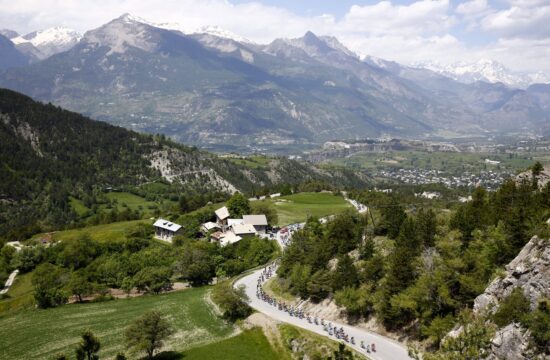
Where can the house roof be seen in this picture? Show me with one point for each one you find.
(167, 225)
(217, 235)
(243, 229)
(222, 213)
(229, 238)
(256, 220)
(210, 225)
(231, 222)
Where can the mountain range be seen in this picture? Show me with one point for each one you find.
(485, 70)
(214, 88)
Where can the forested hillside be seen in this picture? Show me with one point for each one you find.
(49, 156)
(418, 270)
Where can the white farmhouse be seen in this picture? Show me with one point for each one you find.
(166, 230)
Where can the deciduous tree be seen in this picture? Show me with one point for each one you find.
(148, 333)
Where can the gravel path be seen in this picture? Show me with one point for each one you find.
(9, 282)
(386, 349)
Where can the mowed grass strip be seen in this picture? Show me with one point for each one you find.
(249, 345)
(296, 208)
(40, 334)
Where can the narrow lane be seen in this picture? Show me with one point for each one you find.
(386, 349)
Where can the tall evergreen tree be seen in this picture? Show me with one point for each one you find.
(345, 274)
(393, 215)
(426, 227)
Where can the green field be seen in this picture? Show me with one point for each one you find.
(19, 296)
(296, 208)
(79, 207)
(250, 345)
(125, 200)
(252, 162)
(122, 201)
(102, 233)
(40, 334)
(446, 161)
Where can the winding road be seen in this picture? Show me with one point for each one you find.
(386, 349)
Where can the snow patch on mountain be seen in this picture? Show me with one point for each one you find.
(50, 41)
(188, 30)
(219, 32)
(483, 70)
(337, 45)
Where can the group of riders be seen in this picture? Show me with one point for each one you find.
(294, 311)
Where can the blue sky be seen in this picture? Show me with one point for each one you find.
(513, 32)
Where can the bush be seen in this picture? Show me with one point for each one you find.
(538, 322)
(49, 282)
(512, 309)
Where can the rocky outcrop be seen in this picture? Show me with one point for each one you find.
(510, 343)
(530, 270)
(543, 178)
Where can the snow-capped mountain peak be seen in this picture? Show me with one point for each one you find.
(187, 30)
(220, 32)
(483, 70)
(50, 41)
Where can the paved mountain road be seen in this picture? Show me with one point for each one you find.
(386, 349)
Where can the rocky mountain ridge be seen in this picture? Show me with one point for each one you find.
(216, 90)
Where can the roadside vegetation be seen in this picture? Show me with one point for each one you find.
(416, 269)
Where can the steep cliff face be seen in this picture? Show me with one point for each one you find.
(530, 271)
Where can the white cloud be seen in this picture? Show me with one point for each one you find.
(421, 17)
(472, 7)
(520, 22)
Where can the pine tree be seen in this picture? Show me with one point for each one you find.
(345, 274)
(426, 227)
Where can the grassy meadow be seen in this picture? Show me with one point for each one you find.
(19, 296)
(40, 334)
(102, 233)
(297, 207)
(249, 345)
